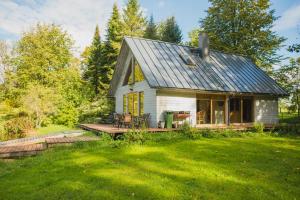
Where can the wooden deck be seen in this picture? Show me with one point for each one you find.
(21, 150)
(109, 128)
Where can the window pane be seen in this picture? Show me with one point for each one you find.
(135, 104)
(141, 103)
(138, 74)
(130, 80)
(130, 103)
(124, 103)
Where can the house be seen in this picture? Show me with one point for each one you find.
(215, 87)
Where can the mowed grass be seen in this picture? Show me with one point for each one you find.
(223, 168)
(53, 128)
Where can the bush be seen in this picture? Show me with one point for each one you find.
(17, 127)
(189, 132)
(136, 137)
(258, 127)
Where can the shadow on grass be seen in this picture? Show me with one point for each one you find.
(252, 168)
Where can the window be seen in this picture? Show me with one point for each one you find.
(124, 103)
(141, 99)
(133, 103)
(138, 74)
(130, 103)
(134, 73)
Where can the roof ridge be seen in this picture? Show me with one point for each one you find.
(141, 38)
(183, 45)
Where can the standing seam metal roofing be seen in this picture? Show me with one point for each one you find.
(163, 67)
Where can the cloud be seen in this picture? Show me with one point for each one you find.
(78, 17)
(289, 19)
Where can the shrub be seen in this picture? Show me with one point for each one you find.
(258, 127)
(189, 132)
(136, 136)
(17, 127)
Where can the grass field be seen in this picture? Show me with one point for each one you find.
(262, 167)
(53, 129)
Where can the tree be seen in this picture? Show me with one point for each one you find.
(133, 20)
(151, 30)
(244, 27)
(44, 60)
(41, 53)
(93, 71)
(289, 78)
(170, 31)
(114, 38)
(194, 37)
(40, 101)
(4, 59)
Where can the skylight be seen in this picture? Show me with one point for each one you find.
(187, 59)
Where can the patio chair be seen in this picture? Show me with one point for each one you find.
(144, 120)
(127, 120)
(200, 117)
(117, 120)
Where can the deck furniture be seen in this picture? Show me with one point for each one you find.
(117, 122)
(127, 120)
(180, 117)
(201, 117)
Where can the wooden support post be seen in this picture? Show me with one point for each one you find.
(211, 111)
(227, 110)
(241, 109)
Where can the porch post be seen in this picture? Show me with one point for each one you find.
(241, 109)
(211, 111)
(227, 110)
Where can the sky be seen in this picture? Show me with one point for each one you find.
(79, 17)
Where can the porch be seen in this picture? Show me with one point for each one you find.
(224, 110)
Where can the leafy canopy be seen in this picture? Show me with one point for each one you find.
(244, 27)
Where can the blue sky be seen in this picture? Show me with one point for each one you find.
(79, 17)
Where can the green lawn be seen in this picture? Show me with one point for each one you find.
(224, 168)
(53, 129)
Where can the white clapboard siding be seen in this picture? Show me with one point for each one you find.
(266, 110)
(175, 101)
(149, 99)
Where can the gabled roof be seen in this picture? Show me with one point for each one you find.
(163, 67)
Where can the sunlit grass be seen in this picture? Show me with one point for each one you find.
(231, 168)
(53, 128)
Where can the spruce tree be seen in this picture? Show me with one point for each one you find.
(114, 38)
(133, 20)
(151, 30)
(94, 72)
(244, 27)
(170, 31)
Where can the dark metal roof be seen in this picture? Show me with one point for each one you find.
(163, 67)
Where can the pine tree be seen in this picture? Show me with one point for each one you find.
(133, 20)
(151, 30)
(114, 38)
(244, 27)
(94, 72)
(170, 31)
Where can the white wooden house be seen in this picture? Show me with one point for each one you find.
(216, 88)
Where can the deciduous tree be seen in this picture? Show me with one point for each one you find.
(244, 27)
